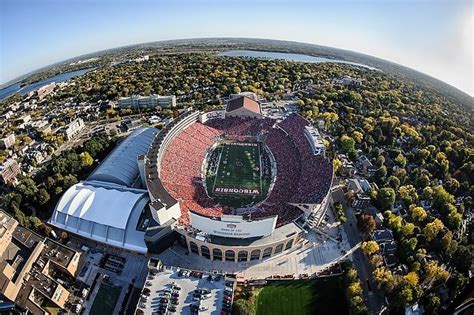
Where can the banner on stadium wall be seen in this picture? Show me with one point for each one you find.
(226, 227)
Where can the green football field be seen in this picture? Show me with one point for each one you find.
(238, 171)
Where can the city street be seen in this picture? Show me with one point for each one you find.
(372, 295)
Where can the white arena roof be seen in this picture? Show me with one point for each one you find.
(120, 166)
(104, 212)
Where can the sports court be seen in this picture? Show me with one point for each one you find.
(238, 171)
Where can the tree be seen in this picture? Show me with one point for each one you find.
(236, 89)
(35, 223)
(351, 275)
(354, 289)
(381, 172)
(394, 221)
(428, 193)
(408, 194)
(401, 160)
(409, 245)
(69, 180)
(86, 159)
(435, 272)
(432, 304)
(369, 248)
(358, 136)
(412, 278)
(441, 198)
(347, 145)
(27, 188)
(366, 223)
(454, 219)
(384, 279)
(418, 214)
(329, 118)
(404, 297)
(357, 305)
(394, 182)
(432, 229)
(243, 307)
(386, 198)
(376, 261)
(337, 164)
(463, 258)
(407, 229)
(380, 161)
(43, 196)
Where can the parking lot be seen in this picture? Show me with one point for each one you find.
(163, 282)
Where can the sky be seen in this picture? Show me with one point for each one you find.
(431, 36)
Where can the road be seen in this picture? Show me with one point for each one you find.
(373, 297)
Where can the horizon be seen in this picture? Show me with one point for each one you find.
(448, 24)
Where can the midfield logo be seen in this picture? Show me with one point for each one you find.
(241, 191)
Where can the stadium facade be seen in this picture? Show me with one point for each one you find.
(233, 185)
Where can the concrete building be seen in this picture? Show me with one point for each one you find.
(7, 142)
(9, 172)
(243, 106)
(73, 128)
(32, 267)
(137, 101)
(45, 90)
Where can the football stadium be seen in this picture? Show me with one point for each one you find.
(235, 184)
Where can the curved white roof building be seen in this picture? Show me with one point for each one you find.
(108, 207)
(105, 213)
(120, 166)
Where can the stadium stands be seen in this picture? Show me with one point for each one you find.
(302, 176)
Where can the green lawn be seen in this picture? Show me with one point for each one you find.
(105, 300)
(320, 297)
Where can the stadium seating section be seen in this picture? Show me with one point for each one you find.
(302, 177)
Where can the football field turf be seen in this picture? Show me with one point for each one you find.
(238, 171)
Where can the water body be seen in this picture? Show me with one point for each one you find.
(16, 87)
(287, 56)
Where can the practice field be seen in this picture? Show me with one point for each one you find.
(105, 300)
(320, 296)
(238, 171)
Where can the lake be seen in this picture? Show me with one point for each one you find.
(16, 87)
(287, 56)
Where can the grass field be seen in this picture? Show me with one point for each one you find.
(238, 171)
(105, 300)
(319, 297)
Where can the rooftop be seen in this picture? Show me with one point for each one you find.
(243, 102)
(121, 165)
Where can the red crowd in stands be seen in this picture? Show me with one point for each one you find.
(302, 177)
